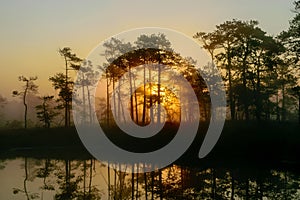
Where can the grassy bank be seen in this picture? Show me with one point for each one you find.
(264, 141)
(38, 137)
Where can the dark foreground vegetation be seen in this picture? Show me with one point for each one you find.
(263, 143)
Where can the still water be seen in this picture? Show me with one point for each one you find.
(49, 178)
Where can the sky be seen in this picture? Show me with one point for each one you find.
(32, 31)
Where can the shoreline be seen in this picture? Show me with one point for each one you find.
(241, 142)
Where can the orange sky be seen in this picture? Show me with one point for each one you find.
(32, 31)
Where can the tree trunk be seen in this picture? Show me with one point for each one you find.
(144, 101)
(131, 95)
(146, 186)
(67, 178)
(151, 100)
(84, 179)
(247, 189)
(91, 177)
(231, 101)
(152, 185)
(69, 113)
(137, 183)
(25, 104)
(160, 185)
(136, 105)
(132, 183)
(283, 103)
(258, 95)
(214, 184)
(277, 107)
(66, 89)
(107, 99)
(25, 179)
(83, 98)
(158, 95)
(119, 101)
(108, 181)
(232, 187)
(91, 116)
(114, 97)
(121, 181)
(115, 184)
(245, 98)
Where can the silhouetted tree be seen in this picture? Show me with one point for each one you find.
(291, 36)
(65, 93)
(143, 44)
(29, 87)
(150, 94)
(86, 78)
(223, 38)
(63, 81)
(290, 39)
(249, 57)
(113, 49)
(45, 113)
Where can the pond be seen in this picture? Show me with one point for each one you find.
(29, 177)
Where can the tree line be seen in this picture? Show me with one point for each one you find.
(260, 72)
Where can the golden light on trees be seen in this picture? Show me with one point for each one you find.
(149, 94)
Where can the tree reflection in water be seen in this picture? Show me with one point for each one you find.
(91, 179)
(28, 176)
(72, 181)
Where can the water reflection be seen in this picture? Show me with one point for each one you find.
(32, 178)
